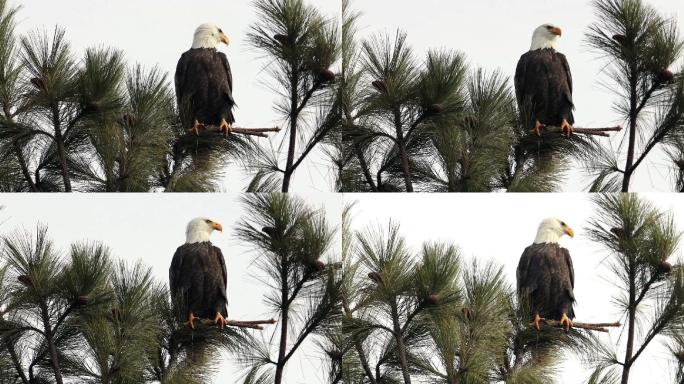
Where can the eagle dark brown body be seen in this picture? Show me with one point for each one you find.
(204, 87)
(546, 280)
(543, 86)
(197, 278)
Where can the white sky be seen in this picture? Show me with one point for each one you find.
(149, 227)
(156, 32)
(494, 33)
(498, 227)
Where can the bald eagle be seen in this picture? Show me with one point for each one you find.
(545, 275)
(198, 277)
(543, 82)
(204, 82)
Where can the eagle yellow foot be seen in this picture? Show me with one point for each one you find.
(191, 320)
(566, 128)
(225, 127)
(537, 321)
(196, 127)
(219, 320)
(538, 128)
(566, 322)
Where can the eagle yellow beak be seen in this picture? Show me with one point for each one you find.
(217, 227)
(224, 39)
(569, 232)
(556, 31)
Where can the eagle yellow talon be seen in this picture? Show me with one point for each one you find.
(219, 320)
(538, 128)
(566, 128)
(566, 322)
(537, 321)
(225, 127)
(196, 127)
(191, 320)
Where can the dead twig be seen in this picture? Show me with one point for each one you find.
(243, 131)
(584, 131)
(253, 324)
(598, 327)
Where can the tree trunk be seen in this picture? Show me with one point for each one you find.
(24, 167)
(282, 349)
(402, 151)
(401, 348)
(61, 149)
(632, 133)
(293, 133)
(52, 349)
(631, 324)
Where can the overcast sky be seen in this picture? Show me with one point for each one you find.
(498, 227)
(156, 33)
(149, 227)
(494, 33)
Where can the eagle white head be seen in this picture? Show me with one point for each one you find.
(545, 36)
(200, 229)
(209, 35)
(551, 230)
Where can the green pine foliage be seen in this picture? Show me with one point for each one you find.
(292, 242)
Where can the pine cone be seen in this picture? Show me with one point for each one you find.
(620, 38)
(269, 231)
(25, 280)
(327, 75)
(376, 277)
(665, 76)
(38, 83)
(282, 39)
(664, 267)
(432, 299)
(619, 232)
(319, 265)
(380, 86)
(435, 109)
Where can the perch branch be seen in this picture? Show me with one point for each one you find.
(244, 131)
(599, 327)
(584, 131)
(254, 324)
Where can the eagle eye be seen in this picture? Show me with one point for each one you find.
(220, 31)
(207, 221)
(562, 224)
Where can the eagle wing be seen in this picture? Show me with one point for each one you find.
(571, 269)
(521, 272)
(179, 77)
(177, 279)
(229, 76)
(519, 79)
(224, 273)
(568, 74)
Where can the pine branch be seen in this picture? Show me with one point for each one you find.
(253, 324)
(598, 327)
(584, 131)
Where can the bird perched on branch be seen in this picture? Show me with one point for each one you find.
(543, 82)
(204, 82)
(198, 276)
(545, 275)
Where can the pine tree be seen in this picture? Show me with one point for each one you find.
(96, 124)
(639, 47)
(434, 124)
(301, 46)
(293, 243)
(639, 238)
(86, 317)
